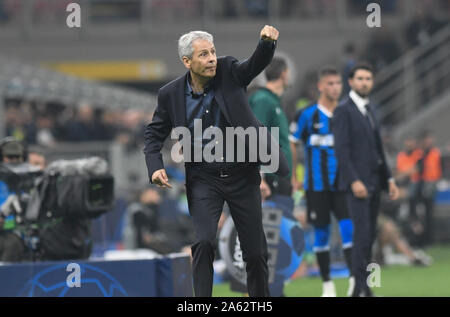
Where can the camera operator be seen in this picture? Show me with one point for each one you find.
(12, 248)
(27, 236)
(63, 238)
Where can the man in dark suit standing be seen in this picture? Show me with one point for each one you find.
(213, 92)
(362, 169)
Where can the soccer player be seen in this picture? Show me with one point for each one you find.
(322, 197)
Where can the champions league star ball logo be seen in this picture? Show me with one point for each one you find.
(285, 244)
(52, 282)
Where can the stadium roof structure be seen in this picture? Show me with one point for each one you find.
(19, 80)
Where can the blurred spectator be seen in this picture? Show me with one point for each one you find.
(406, 177)
(257, 8)
(9, 9)
(423, 187)
(19, 123)
(158, 224)
(36, 158)
(317, 8)
(84, 127)
(131, 130)
(407, 159)
(395, 233)
(245, 8)
(382, 48)
(12, 248)
(390, 236)
(421, 28)
(173, 9)
(46, 124)
(44, 131)
(359, 6)
(144, 218)
(349, 62)
(107, 122)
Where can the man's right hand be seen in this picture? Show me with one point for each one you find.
(265, 189)
(296, 185)
(359, 190)
(160, 178)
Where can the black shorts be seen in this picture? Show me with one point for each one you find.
(320, 205)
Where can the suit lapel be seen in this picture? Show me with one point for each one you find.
(220, 101)
(364, 120)
(218, 94)
(180, 101)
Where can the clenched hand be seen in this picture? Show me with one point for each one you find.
(269, 33)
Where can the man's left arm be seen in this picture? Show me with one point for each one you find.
(244, 72)
(392, 186)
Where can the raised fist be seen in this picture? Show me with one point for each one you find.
(269, 33)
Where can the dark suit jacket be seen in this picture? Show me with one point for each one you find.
(356, 148)
(231, 80)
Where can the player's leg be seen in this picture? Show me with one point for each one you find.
(318, 209)
(346, 230)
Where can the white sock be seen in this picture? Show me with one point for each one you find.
(351, 286)
(328, 289)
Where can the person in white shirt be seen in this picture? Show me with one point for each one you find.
(362, 169)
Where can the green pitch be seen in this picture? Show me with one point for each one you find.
(395, 280)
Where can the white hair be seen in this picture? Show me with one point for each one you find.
(185, 42)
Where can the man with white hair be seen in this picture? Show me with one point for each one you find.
(213, 92)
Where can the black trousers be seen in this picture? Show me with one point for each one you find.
(206, 192)
(364, 213)
(423, 193)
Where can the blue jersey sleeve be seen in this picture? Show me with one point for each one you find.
(4, 192)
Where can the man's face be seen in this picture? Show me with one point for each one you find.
(330, 86)
(204, 60)
(150, 196)
(362, 82)
(36, 160)
(428, 142)
(86, 113)
(410, 144)
(285, 76)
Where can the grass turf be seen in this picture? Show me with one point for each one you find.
(395, 280)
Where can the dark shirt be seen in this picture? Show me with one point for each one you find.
(204, 106)
(201, 106)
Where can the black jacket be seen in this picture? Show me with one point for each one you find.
(231, 80)
(356, 148)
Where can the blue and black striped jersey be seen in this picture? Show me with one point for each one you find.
(313, 128)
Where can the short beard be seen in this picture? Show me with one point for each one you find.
(362, 95)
